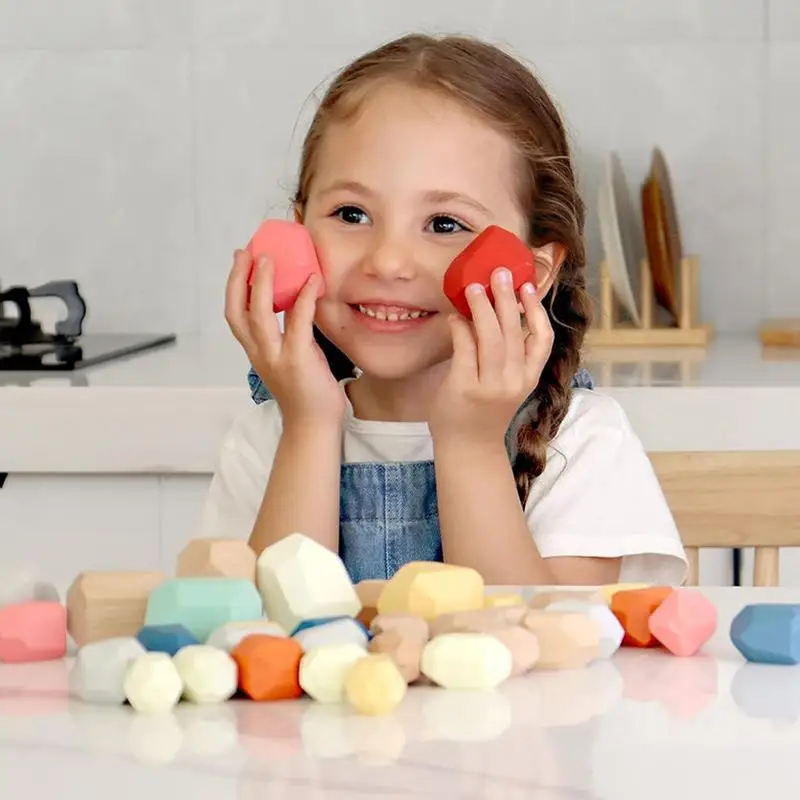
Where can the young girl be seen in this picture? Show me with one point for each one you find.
(467, 441)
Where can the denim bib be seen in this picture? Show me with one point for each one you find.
(388, 512)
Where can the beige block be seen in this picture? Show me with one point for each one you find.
(368, 593)
(217, 558)
(548, 597)
(523, 646)
(483, 620)
(408, 625)
(405, 651)
(566, 640)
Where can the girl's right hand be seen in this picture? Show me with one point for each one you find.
(291, 363)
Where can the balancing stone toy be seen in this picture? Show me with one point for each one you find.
(768, 633)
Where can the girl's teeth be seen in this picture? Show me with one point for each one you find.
(381, 313)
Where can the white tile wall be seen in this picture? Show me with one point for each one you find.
(142, 140)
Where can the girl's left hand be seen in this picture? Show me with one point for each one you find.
(496, 363)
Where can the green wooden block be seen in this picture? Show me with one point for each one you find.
(202, 605)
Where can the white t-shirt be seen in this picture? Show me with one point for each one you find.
(597, 496)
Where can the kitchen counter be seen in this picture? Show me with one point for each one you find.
(643, 724)
(165, 411)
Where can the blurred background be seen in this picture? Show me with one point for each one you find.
(141, 141)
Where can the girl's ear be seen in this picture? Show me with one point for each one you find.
(549, 258)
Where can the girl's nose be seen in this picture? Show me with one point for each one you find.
(389, 258)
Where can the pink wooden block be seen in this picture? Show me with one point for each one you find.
(33, 631)
(684, 622)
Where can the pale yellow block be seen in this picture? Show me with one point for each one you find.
(476, 661)
(502, 600)
(605, 593)
(373, 685)
(429, 589)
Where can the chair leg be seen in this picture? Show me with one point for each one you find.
(766, 566)
(693, 557)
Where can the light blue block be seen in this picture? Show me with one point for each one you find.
(768, 633)
(202, 605)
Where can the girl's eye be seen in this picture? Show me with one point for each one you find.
(447, 225)
(351, 215)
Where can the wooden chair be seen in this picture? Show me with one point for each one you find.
(736, 499)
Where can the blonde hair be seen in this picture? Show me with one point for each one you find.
(500, 89)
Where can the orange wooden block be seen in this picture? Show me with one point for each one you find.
(33, 631)
(269, 667)
(633, 610)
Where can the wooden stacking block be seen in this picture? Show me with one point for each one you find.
(342, 630)
(483, 620)
(408, 625)
(523, 646)
(106, 605)
(21, 584)
(566, 640)
(300, 579)
(323, 669)
(502, 600)
(684, 622)
(98, 674)
(611, 632)
(202, 605)
(152, 683)
(475, 661)
(368, 593)
(430, 589)
(543, 599)
(633, 609)
(165, 638)
(405, 651)
(227, 636)
(217, 558)
(35, 630)
(209, 675)
(269, 667)
(605, 593)
(768, 633)
(373, 685)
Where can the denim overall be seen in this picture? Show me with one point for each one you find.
(388, 513)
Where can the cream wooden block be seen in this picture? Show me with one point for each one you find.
(337, 631)
(217, 558)
(566, 640)
(523, 646)
(483, 620)
(300, 579)
(373, 685)
(430, 589)
(610, 628)
(23, 583)
(98, 674)
(502, 600)
(605, 593)
(405, 651)
(475, 661)
(152, 684)
(408, 625)
(227, 636)
(209, 675)
(104, 605)
(323, 670)
(545, 598)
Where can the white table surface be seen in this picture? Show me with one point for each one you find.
(165, 411)
(642, 726)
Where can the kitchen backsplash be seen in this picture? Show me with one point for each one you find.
(141, 141)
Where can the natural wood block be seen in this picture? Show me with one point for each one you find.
(344, 630)
(483, 620)
(566, 640)
(209, 675)
(502, 600)
(98, 674)
(269, 667)
(21, 584)
(368, 593)
(633, 609)
(684, 622)
(227, 636)
(768, 633)
(523, 646)
(408, 625)
(300, 579)
(611, 632)
(477, 661)
(105, 605)
(373, 685)
(152, 683)
(323, 669)
(430, 589)
(605, 593)
(405, 651)
(217, 558)
(35, 630)
(546, 598)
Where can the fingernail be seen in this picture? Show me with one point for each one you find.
(504, 275)
(475, 288)
(528, 288)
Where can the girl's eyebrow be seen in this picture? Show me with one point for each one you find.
(431, 196)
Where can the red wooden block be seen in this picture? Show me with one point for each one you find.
(290, 248)
(494, 247)
(684, 622)
(633, 609)
(33, 631)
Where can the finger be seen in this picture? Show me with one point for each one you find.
(508, 315)
(236, 291)
(489, 336)
(300, 318)
(539, 344)
(264, 323)
(464, 364)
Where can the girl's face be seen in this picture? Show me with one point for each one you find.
(397, 192)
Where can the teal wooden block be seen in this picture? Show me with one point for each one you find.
(768, 633)
(202, 605)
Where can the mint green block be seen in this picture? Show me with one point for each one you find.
(202, 605)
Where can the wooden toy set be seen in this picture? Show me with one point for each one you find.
(290, 623)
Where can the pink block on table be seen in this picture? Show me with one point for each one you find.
(684, 622)
(33, 631)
